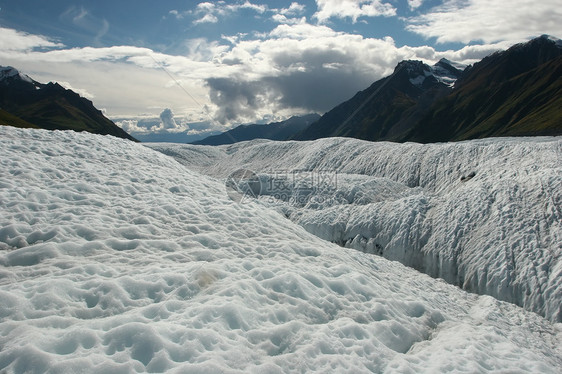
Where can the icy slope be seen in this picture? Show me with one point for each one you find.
(116, 258)
(485, 215)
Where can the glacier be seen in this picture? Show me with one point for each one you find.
(118, 258)
(484, 215)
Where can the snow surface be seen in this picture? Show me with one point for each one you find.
(116, 258)
(485, 215)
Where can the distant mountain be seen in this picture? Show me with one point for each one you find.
(172, 137)
(273, 131)
(517, 92)
(390, 107)
(25, 102)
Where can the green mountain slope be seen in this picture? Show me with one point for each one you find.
(517, 92)
(7, 119)
(388, 108)
(513, 93)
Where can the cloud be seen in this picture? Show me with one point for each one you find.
(294, 9)
(86, 21)
(259, 8)
(207, 18)
(80, 91)
(207, 13)
(166, 123)
(12, 40)
(176, 14)
(471, 54)
(414, 4)
(281, 18)
(309, 68)
(352, 9)
(131, 126)
(210, 12)
(150, 129)
(200, 49)
(303, 32)
(489, 21)
(237, 99)
(167, 118)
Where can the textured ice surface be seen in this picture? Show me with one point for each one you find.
(485, 215)
(117, 259)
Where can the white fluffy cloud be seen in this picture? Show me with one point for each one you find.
(80, 91)
(281, 18)
(167, 118)
(12, 40)
(489, 21)
(131, 126)
(414, 4)
(209, 12)
(352, 9)
(294, 9)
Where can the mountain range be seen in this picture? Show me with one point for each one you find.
(390, 106)
(273, 131)
(27, 103)
(517, 92)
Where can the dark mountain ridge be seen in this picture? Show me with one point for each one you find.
(517, 92)
(390, 106)
(50, 106)
(273, 131)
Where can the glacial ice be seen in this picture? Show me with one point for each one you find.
(117, 258)
(485, 215)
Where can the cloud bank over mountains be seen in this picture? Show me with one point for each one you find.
(299, 65)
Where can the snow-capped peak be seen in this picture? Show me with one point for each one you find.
(9, 72)
(556, 41)
(443, 71)
(447, 72)
(456, 65)
(417, 71)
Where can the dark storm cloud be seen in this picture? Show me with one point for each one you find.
(316, 91)
(236, 99)
(313, 81)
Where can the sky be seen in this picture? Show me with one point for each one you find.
(180, 70)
